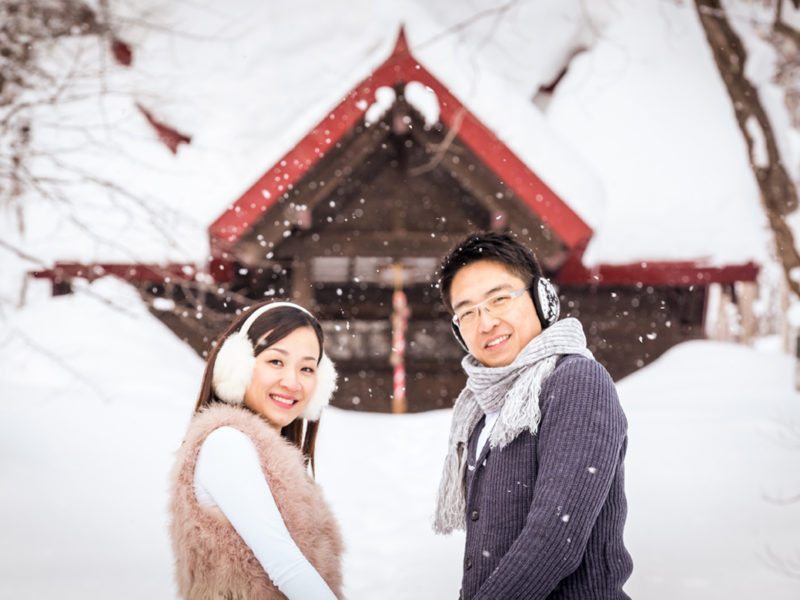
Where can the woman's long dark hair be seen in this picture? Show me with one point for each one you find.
(268, 329)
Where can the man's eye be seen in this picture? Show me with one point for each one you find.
(498, 300)
(467, 314)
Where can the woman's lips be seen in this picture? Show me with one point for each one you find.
(282, 401)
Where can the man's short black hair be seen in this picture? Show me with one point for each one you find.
(487, 245)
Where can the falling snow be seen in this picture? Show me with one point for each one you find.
(729, 406)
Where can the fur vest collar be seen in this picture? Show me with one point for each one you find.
(212, 561)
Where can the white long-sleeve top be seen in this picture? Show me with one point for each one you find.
(488, 425)
(228, 475)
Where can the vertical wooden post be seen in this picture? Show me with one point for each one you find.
(797, 361)
(746, 295)
(302, 287)
(400, 314)
(785, 322)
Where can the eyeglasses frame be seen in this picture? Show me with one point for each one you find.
(512, 296)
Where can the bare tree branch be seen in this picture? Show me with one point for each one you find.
(780, 27)
(493, 12)
(786, 566)
(778, 191)
(440, 149)
(62, 364)
(22, 254)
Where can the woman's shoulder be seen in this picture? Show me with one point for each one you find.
(228, 439)
(218, 415)
(223, 413)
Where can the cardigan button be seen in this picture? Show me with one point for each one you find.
(469, 564)
(474, 515)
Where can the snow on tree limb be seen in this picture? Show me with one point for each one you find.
(778, 191)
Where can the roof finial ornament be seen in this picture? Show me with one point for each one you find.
(401, 45)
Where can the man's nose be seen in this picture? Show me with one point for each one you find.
(485, 320)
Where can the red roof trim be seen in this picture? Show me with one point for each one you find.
(401, 66)
(682, 273)
(64, 271)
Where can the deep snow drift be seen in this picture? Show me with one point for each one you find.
(96, 399)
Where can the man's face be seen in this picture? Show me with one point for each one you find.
(494, 339)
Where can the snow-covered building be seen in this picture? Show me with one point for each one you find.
(373, 195)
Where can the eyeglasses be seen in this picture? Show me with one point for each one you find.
(467, 318)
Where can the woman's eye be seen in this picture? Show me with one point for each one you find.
(309, 370)
(277, 362)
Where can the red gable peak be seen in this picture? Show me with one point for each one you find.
(400, 67)
(401, 45)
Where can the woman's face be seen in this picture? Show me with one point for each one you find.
(284, 378)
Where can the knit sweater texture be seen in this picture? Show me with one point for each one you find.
(545, 514)
(212, 561)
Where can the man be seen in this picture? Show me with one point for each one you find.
(534, 470)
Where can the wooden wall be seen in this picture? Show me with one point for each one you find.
(404, 195)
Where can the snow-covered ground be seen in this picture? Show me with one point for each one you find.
(96, 397)
(714, 440)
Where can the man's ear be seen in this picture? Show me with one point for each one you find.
(457, 333)
(545, 300)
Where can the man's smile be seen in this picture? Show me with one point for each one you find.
(496, 341)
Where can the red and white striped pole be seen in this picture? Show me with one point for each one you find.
(400, 314)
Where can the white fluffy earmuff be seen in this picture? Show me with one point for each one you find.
(233, 367)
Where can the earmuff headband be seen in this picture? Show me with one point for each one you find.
(245, 328)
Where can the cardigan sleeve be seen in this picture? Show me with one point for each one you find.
(581, 441)
(229, 473)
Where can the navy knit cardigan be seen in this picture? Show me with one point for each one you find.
(545, 514)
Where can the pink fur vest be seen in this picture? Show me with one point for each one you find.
(212, 561)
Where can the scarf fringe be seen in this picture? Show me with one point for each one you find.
(521, 407)
(451, 494)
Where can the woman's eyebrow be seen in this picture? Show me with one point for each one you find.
(286, 353)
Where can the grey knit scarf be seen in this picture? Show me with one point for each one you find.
(514, 391)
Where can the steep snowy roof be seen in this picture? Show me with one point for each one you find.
(370, 99)
(639, 138)
(647, 109)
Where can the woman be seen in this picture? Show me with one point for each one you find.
(247, 520)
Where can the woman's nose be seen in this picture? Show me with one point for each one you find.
(290, 380)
